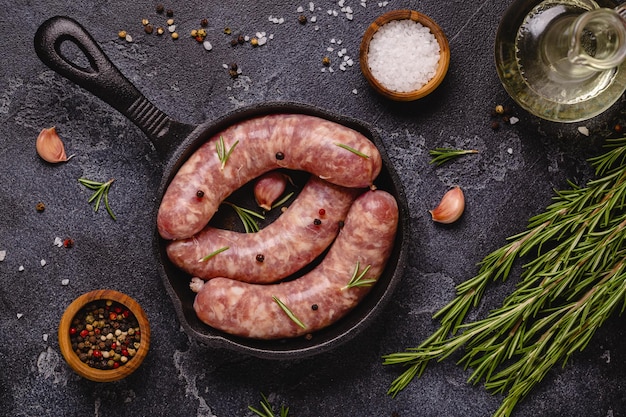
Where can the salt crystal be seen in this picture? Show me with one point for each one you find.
(330, 69)
(43, 262)
(349, 9)
(21, 268)
(350, 62)
(128, 38)
(225, 66)
(342, 67)
(317, 28)
(65, 282)
(333, 40)
(403, 55)
(281, 20)
(311, 6)
(330, 49)
(340, 3)
(363, 4)
(510, 151)
(313, 19)
(245, 38)
(335, 13)
(3, 255)
(207, 45)
(330, 12)
(300, 9)
(19, 315)
(262, 41)
(583, 130)
(349, 16)
(324, 69)
(354, 91)
(513, 120)
(58, 241)
(171, 28)
(45, 337)
(271, 36)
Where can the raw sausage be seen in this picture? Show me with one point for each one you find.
(292, 241)
(326, 149)
(316, 299)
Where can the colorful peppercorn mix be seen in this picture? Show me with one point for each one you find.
(105, 335)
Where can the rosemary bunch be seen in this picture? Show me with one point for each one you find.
(575, 280)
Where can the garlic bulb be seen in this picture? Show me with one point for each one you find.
(50, 147)
(450, 208)
(268, 188)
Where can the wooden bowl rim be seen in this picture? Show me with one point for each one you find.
(444, 59)
(65, 344)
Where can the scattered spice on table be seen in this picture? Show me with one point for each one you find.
(105, 335)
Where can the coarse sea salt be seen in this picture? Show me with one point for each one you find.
(403, 55)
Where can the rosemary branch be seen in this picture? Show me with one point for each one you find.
(222, 153)
(267, 410)
(358, 278)
(101, 193)
(443, 155)
(575, 281)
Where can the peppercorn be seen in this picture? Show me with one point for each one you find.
(241, 39)
(122, 34)
(341, 224)
(68, 242)
(495, 125)
(233, 42)
(254, 42)
(322, 212)
(317, 222)
(314, 307)
(148, 29)
(199, 193)
(280, 156)
(40, 207)
(617, 128)
(302, 19)
(160, 30)
(174, 35)
(260, 257)
(499, 109)
(204, 22)
(169, 12)
(160, 8)
(227, 30)
(144, 22)
(326, 61)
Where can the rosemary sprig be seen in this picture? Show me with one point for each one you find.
(442, 155)
(247, 217)
(101, 193)
(357, 279)
(214, 253)
(267, 410)
(351, 149)
(575, 281)
(288, 312)
(222, 153)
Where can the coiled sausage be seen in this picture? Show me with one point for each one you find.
(318, 298)
(326, 149)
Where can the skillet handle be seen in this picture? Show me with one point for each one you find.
(105, 81)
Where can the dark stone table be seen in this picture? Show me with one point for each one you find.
(510, 180)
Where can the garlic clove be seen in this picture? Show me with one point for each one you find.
(269, 188)
(50, 147)
(450, 207)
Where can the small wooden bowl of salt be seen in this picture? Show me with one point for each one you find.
(404, 55)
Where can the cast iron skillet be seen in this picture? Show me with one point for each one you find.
(174, 143)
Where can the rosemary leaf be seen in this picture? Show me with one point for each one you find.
(214, 253)
(222, 153)
(574, 280)
(351, 149)
(289, 313)
(282, 200)
(443, 155)
(247, 217)
(101, 192)
(357, 279)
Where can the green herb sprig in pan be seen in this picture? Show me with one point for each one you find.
(267, 410)
(575, 280)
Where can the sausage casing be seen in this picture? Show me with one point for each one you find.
(318, 298)
(292, 241)
(326, 149)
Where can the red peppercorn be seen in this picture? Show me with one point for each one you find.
(97, 354)
(84, 333)
(113, 345)
(68, 243)
(126, 313)
(112, 316)
(72, 330)
(322, 212)
(116, 365)
(124, 352)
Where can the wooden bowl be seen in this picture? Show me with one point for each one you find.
(83, 369)
(444, 55)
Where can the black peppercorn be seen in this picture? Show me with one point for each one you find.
(317, 222)
(204, 22)
(234, 42)
(40, 207)
(260, 257)
(160, 8)
(302, 19)
(280, 156)
(200, 194)
(169, 12)
(241, 39)
(314, 307)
